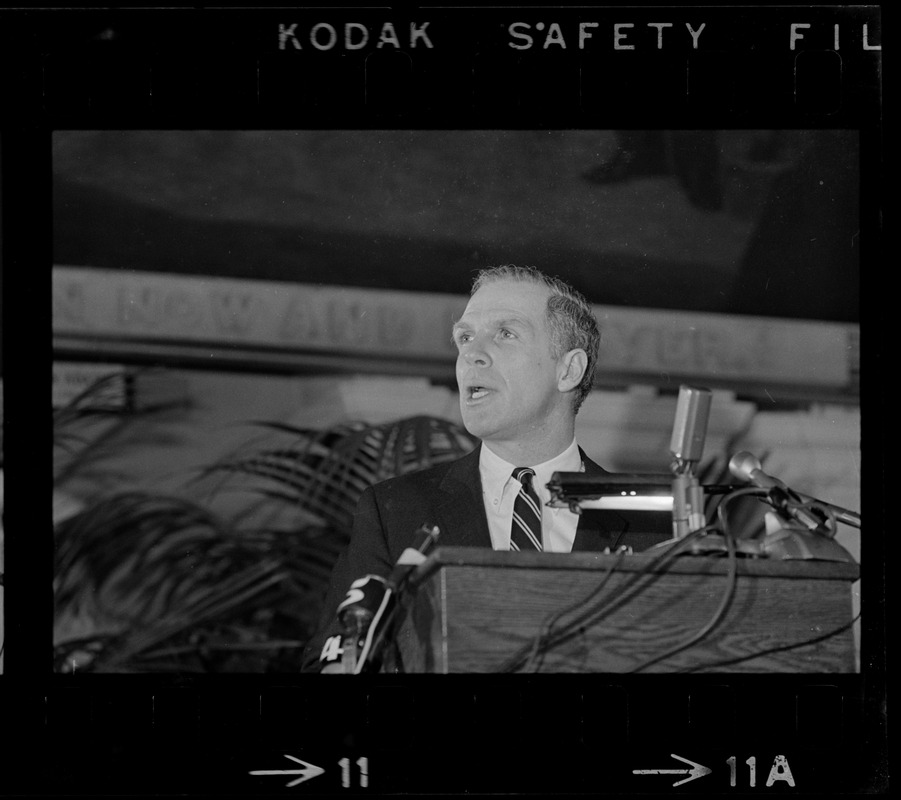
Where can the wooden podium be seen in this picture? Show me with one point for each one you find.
(473, 609)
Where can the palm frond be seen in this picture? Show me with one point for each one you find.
(325, 472)
(209, 605)
(172, 585)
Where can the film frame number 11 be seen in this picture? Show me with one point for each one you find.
(362, 764)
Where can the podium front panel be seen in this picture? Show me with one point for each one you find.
(475, 611)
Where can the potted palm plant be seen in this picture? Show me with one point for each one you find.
(167, 583)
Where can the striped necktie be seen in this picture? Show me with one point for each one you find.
(525, 531)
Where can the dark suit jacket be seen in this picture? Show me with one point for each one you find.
(449, 496)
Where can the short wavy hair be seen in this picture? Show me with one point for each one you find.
(571, 322)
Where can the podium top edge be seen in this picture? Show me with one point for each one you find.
(651, 562)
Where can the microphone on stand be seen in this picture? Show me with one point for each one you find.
(423, 540)
(687, 447)
(799, 527)
(746, 466)
(371, 602)
(356, 612)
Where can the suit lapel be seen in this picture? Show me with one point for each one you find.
(461, 510)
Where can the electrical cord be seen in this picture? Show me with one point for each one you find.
(370, 634)
(592, 615)
(635, 583)
(728, 593)
(778, 649)
(537, 653)
(545, 640)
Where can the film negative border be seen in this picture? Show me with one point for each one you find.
(786, 67)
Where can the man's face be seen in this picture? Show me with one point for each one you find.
(507, 376)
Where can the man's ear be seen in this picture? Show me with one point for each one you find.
(571, 370)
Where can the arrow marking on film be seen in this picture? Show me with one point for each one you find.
(309, 771)
(696, 771)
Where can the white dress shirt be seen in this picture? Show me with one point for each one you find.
(499, 490)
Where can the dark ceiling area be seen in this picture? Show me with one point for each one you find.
(744, 222)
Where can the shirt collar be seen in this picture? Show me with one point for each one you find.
(495, 471)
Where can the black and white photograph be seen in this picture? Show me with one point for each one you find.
(445, 400)
(252, 328)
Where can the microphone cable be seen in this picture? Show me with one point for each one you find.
(727, 597)
(592, 615)
(370, 633)
(537, 652)
(546, 641)
(777, 649)
(728, 593)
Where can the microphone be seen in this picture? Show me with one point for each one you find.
(368, 608)
(362, 601)
(423, 541)
(687, 447)
(747, 466)
(355, 613)
(690, 425)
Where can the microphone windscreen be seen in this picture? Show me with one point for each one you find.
(690, 426)
(742, 465)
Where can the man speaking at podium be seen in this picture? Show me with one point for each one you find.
(527, 346)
